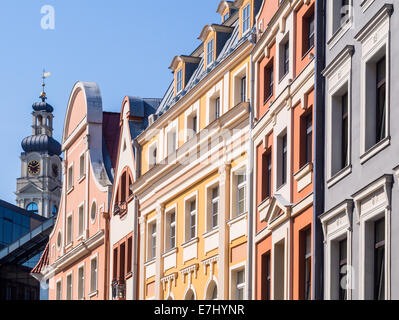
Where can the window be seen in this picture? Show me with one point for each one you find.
(81, 282)
(122, 262)
(243, 89)
(380, 133)
(269, 81)
(193, 219)
(69, 287)
(279, 266)
(217, 108)
(307, 143)
(81, 220)
(226, 16)
(192, 125)
(93, 275)
(69, 230)
(309, 32)
(115, 264)
(284, 58)
(171, 141)
(266, 277)
(376, 102)
(240, 285)
(241, 194)
(215, 207)
(307, 276)
(54, 210)
(246, 16)
(129, 255)
(339, 14)
(209, 53)
(152, 155)
(70, 177)
(283, 160)
(82, 166)
(33, 208)
(267, 174)
(172, 232)
(58, 294)
(93, 211)
(179, 81)
(152, 241)
(379, 260)
(342, 273)
(214, 295)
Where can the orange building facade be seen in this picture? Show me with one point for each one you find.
(77, 266)
(284, 66)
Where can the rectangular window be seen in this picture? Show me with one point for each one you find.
(340, 14)
(129, 255)
(344, 133)
(153, 241)
(69, 230)
(172, 141)
(209, 53)
(309, 139)
(246, 19)
(241, 194)
(266, 276)
(179, 81)
(69, 287)
(193, 219)
(217, 108)
(194, 124)
(285, 59)
(243, 89)
(172, 230)
(267, 174)
(122, 262)
(225, 17)
(81, 283)
(58, 295)
(115, 267)
(70, 177)
(308, 264)
(240, 285)
(309, 30)
(153, 156)
(215, 207)
(379, 260)
(93, 275)
(381, 101)
(82, 166)
(269, 81)
(342, 272)
(81, 220)
(283, 160)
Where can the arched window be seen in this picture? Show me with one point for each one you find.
(123, 192)
(212, 291)
(190, 295)
(33, 208)
(54, 211)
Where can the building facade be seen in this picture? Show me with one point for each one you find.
(78, 247)
(283, 146)
(361, 186)
(193, 184)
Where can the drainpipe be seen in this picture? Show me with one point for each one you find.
(319, 123)
(135, 246)
(250, 175)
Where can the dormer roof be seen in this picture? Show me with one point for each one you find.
(186, 59)
(216, 28)
(223, 5)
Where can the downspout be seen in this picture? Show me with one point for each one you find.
(250, 174)
(106, 217)
(137, 165)
(319, 136)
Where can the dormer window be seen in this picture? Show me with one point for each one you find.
(246, 15)
(209, 52)
(226, 16)
(179, 81)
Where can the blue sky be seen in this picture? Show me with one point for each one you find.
(126, 46)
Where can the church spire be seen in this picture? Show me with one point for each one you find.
(43, 94)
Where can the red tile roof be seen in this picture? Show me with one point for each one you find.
(43, 261)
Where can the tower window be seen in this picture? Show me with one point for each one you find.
(33, 208)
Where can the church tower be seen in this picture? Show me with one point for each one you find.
(39, 187)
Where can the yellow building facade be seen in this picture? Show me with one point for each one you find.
(193, 179)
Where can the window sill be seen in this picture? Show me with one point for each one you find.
(307, 52)
(303, 171)
(190, 242)
(81, 179)
(93, 294)
(211, 233)
(150, 262)
(128, 276)
(375, 150)
(339, 33)
(268, 99)
(339, 176)
(169, 253)
(236, 219)
(282, 77)
(70, 190)
(80, 238)
(69, 246)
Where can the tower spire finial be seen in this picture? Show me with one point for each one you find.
(43, 94)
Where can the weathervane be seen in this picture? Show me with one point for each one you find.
(43, 94)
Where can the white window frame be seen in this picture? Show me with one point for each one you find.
(188, 116)
(209, 202)
(187, 217)
(233, 280)
(151, 148)
(94, 202)
(334, 36)
(337, 225)
(246, 19)
(150, 224)
(234, 191)
(81, 267)
(237, 76)
(214, 93)
(69, 274)
(167, 238)
(375, 41)
(81, 234)
(210, 53)
(67, 243)
(58, 282)
(71, 180)
(338, 78)
(82, 173)
(179, 82)
(95, 257)
(173, 126)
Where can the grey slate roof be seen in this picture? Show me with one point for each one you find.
(231, 44)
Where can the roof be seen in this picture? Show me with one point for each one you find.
(231, 44)
(43, 261)
(24, 212)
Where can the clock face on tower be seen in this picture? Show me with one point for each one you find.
(34, 167)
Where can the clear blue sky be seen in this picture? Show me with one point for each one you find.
(126, 46)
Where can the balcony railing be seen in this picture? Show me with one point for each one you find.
(120, 209)
(119, 290)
